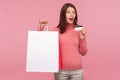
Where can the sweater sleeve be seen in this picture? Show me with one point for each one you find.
(83, 47)
(41, 29)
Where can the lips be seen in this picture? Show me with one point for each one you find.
(71, 18)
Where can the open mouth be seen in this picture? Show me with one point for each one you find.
(71, 18)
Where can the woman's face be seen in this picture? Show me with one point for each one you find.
(70, 15)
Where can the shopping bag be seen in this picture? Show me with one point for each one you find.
(42, 51)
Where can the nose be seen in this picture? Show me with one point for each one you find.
(71, 14)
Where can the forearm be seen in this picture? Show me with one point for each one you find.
(83, 47)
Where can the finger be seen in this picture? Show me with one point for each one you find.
(83, 31)
(43, 21)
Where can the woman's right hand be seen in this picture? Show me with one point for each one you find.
(82, 33)
(43, 22)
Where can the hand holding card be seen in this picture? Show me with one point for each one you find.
(82, 33)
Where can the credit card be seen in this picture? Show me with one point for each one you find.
(78, 27)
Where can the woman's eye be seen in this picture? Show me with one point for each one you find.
(73, 12)
(68, 12)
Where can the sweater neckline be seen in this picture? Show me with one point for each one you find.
(70, 26)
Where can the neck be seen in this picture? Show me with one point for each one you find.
(70, 25)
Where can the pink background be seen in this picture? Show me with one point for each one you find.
(99, 17)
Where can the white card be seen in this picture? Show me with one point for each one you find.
(78, 28)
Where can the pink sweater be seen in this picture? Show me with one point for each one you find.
(71, 48)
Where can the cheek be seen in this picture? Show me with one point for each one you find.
(74, 15)
(67, 16)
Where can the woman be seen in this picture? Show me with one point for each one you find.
(72, 44)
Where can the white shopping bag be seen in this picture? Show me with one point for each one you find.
(42, 51)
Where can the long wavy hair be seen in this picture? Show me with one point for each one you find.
(62, 22)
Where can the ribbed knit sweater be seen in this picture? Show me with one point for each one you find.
(71, 48)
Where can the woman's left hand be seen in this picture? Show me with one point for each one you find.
(82, 33)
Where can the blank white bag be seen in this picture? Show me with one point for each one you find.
(42, 51)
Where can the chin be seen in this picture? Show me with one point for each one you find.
(70, 22)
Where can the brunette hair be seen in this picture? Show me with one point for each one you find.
(62, 22)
